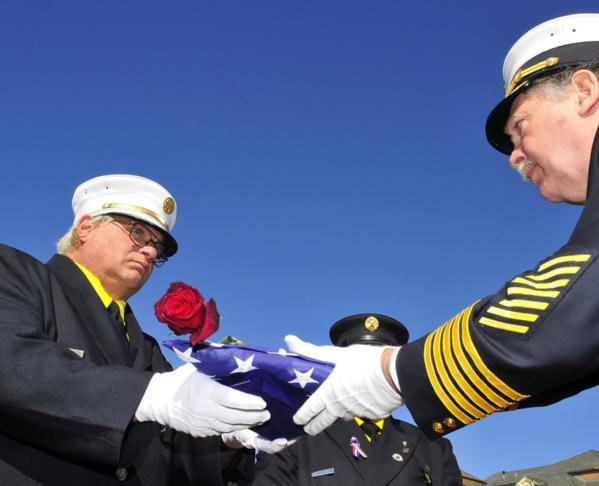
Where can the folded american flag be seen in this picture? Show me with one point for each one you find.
(284, 380)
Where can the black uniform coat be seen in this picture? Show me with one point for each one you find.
(70, 385)
(401, 455)
(534, 342)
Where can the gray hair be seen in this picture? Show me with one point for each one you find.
(69, 241)
(554, 85)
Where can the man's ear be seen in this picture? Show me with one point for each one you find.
(586, 86)
(84, 228)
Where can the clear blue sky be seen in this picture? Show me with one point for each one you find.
(328, 158)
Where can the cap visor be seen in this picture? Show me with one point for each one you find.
(496, 122)
(170, 244)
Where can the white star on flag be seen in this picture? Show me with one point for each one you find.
(244, 366)
(302, 379)
(186, 355)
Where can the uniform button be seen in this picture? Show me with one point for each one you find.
(438, 427)
(121, 473)
(450, 422)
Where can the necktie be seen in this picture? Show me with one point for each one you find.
(115, 313)
(370, 429)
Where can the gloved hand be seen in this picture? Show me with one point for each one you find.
(251, 440)
(192, 402)
(355, 387)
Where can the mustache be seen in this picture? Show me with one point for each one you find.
(523, 166)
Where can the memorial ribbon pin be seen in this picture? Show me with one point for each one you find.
(357, 450)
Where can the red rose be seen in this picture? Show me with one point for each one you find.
(182, 308)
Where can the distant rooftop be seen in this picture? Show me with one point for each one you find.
(470, 480)
(582, 469)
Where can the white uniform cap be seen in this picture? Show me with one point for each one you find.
(131, 195)
(542, 51)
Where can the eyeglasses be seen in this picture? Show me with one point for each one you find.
(142, 236)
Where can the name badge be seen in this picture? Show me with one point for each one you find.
(323, 472)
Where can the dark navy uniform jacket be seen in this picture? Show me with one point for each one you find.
(534, 342)
(70, 385)
(401, 455)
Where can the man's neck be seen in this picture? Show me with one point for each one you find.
(111, 290)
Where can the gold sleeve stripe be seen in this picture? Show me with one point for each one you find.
(467, 367)
(554, 272)
(503, 325)
(448, 343)
(481, 366)
(556, 284)
(449, 385)
(527, 304)
(567, 258)
(535, 293)
(441, 394)
(518, 316)
(456, 374)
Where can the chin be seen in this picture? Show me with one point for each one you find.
(548, 194)
(552, 198)
(134, 283)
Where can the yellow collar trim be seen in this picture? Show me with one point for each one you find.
(379, 425)
(104, 296)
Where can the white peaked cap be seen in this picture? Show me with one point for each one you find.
(130, 195)
(543, 50)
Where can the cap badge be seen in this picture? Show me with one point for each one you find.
(371, 323)
(168, 205)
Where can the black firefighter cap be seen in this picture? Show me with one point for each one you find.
(374, 329)
(545, 49)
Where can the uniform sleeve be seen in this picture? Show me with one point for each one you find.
(534, 342)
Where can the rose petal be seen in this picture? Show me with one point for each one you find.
(181, 308)
(211, 323)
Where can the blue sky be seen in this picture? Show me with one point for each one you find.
(328, 158)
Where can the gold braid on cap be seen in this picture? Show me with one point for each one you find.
(522, 73)
(157, 217)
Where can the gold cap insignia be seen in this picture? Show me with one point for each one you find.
(168, 205)
(371, 323)
(515, 84)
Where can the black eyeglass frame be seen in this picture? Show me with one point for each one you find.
(158, 245)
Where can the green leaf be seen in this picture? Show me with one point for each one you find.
(230, 340)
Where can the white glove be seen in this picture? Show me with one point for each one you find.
(355, 388)
(251, 440)
(192, 402)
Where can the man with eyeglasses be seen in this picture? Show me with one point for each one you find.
(86, 398)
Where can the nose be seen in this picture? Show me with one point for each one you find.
(516, 158)
(149, 251)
